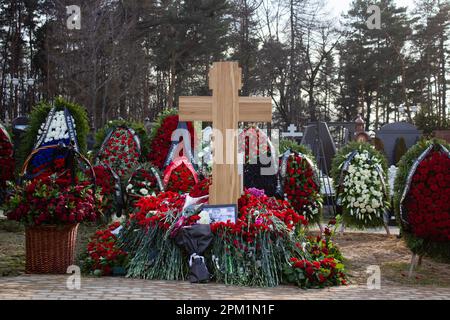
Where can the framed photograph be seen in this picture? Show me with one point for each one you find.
(221, 213)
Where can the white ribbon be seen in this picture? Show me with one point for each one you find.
(195, 256)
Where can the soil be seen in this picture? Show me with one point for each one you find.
(362, 250)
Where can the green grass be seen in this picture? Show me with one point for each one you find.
(12, 246)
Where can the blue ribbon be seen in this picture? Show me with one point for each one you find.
(187, 147)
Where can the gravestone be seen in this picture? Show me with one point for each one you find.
(319, 140)
(389, 134)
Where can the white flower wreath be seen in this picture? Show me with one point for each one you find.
(363, 195)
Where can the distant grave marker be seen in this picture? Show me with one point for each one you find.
(292, 132)
(389, 134)
(318, 138)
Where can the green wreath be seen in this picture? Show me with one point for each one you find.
(417, 245)
(360, 208)
(39, 115)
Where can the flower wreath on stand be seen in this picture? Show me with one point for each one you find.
(180, 176)
(361, 180)
(161, 144)
(60, 123)
(260, 167)
(299, 184)
(144, 181)
(7, 164)
(111, 190)
(120, 150)
(422, 198)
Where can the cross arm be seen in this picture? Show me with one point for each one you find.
(251, 109)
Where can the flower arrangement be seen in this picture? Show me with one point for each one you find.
(325, 267)
(146, 238)
(256, 250)
(120, 151)
(103, 254)
(59, 130)
(301, 187)
(201, 189)
(109, 183)
(180, 176)
(421, 198)
(145, 180)
(161, 137)
(137, 128)
(53, 200)
(360, 176)
(257, 150)
(7, 163)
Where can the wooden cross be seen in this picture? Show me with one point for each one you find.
(225, 109)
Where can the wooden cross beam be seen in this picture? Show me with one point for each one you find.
(225, 109)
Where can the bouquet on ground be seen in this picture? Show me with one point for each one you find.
(325, 267)
(360, 176)
(253, 250)
(103, 256)
(147, 238)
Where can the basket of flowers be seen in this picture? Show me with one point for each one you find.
(51, 206)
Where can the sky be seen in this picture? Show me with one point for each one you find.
(339, 6)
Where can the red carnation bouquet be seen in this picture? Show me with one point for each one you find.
(53, 200)
(162, 139)
(103, 254)
(428, 201)
(300, 188)
(7, 165)
(201, 189)
(121, 152)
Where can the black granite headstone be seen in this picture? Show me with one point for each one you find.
(389, 134)
(319, 140)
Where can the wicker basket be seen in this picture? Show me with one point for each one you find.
(50, 249)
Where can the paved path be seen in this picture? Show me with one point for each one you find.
(54, 287)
